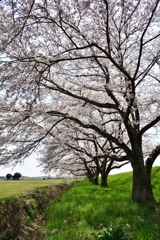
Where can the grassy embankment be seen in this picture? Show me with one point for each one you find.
(85, 209)
(22, 201)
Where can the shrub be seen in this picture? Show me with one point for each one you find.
(17, 175)
(112, 233)
(8, 176)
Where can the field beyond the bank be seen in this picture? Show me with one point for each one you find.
(9, 188)
(88, 212)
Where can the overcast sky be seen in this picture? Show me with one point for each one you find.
(30, 169)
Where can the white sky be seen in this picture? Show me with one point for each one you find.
(128, 167)
(30, 169)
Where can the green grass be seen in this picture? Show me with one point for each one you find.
(9, 188)
(85, 209)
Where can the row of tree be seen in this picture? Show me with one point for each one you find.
(79, 84)
(81, 153)
(15, 176)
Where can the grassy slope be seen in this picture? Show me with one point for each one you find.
(85, 208)
(9, 188)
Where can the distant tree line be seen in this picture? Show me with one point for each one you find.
(2, 177)
(16, 176)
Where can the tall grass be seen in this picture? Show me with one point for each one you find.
(85, 209)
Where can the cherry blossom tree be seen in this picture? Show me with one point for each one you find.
(91, 63)
(81, 153)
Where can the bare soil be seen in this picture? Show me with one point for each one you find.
(33, 232)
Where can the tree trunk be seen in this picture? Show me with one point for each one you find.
(142, 189)
(96, 180)
(104, 180)
(93, 178)
(96, 177)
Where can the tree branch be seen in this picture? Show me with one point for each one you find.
(152, 157)
(148, 126)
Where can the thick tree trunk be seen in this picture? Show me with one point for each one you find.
(96, 180)
(142, 189)
(93, 180)
(105, 170)
(104, 180)
(95, 177)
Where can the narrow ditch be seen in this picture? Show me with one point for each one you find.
(21, 216)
